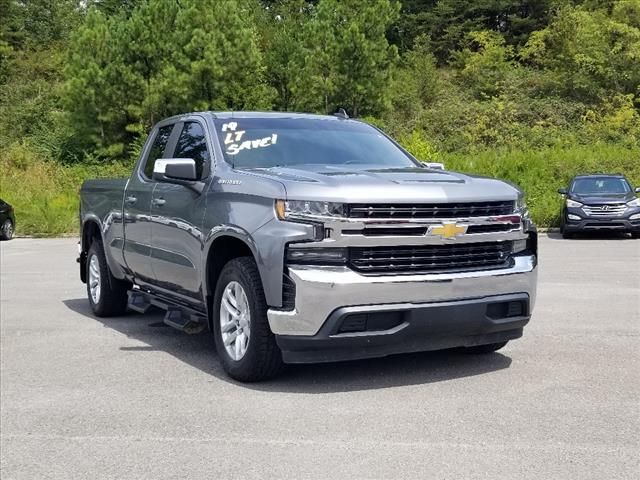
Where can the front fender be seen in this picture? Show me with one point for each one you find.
(215, 233)
(267, 244)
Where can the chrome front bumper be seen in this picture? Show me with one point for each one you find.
(322, 290)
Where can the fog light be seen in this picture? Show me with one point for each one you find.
(519, 245)
(635, 216)
(573, 217)
(317, 256)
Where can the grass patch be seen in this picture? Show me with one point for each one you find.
(45, 193)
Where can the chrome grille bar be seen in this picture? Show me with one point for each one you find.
(611, 210)
(430, 211)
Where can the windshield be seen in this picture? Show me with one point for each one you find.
(600, 186)
(271, 142)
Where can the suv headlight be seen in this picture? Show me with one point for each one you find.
(634, 203)
(311, 210)
(573, 204)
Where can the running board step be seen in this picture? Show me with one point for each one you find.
(180, 317)
(185, 321)
(139, 302)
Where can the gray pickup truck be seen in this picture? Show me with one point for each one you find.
(302, 238)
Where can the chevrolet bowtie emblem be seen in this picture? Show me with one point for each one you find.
(447, 230)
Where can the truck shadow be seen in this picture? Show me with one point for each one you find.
(199, 352)
(596, 235)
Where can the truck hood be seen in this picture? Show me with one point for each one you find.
(360, 185)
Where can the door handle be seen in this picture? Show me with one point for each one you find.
(130, 200)
(158, 202)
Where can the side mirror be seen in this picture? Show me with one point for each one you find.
(637, 189)
(180, 169)
(562, 191)
(435, 165)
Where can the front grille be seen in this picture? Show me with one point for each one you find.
(430, 210)
(611, 210)
(430, 258)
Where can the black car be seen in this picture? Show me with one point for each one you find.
(7, 221)
(600, 202)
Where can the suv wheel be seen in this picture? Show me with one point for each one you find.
(6, 230)
(563, 229)
(483, 349)
(245, 344)
(107, 295)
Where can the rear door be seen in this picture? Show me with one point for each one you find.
(177, 216)
(137, 207)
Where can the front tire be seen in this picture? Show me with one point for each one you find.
(107, 295)
(6, 230)
(484, 349)
(563, 230)
(246, 346)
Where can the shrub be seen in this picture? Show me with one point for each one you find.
(45, 193)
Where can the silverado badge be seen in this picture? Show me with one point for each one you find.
(447, 230)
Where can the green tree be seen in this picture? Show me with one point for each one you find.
(448, 22)
(281, 26)
(129, 70)
(485, 63)
(92, 97)
(33, 37)
(416, 84)
(591, 53)
(346, 60)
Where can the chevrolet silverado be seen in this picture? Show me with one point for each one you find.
(302, 238)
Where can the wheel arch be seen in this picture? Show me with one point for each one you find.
(90, 229)
(222, 248)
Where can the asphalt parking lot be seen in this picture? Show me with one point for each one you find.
(129, 398)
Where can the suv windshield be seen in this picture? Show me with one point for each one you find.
(271, 142)
(600, 186)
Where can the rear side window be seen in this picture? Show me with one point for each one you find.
(192, 144)
(157, 149)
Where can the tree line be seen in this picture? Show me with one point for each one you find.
(83, 81)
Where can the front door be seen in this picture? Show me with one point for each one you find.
(177, 214)
(137, 209)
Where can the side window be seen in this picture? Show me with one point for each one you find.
(192, 144)
(157, 149)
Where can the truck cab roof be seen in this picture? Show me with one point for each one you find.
(229, 115)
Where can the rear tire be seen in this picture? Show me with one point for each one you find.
(6, 230)
(258, 356)
(108, 297)
(484, 349)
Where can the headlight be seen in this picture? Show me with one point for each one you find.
(521, 204)
(573, 204)
(634, 203)
(304, 209)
